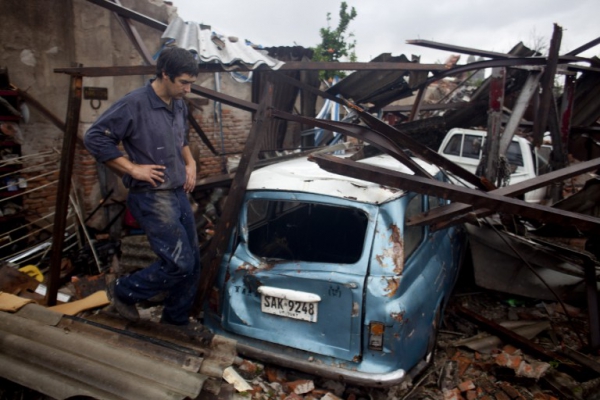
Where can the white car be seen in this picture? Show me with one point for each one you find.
(464, 147)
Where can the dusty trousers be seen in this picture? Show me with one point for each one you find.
(167, 219)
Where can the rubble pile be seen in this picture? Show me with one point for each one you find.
(498, 370)
(470, 362)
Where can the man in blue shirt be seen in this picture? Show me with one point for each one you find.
(151, 123)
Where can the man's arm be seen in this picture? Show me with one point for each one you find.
(190, 169)
(149, 172)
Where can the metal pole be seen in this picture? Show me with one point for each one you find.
(529, 88)
(229, 218)
(64, 187)
(492, 143)
(592, 301)
(541, 119)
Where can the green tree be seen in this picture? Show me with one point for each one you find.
(333, 42)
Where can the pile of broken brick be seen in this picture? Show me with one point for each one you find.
(470, 362)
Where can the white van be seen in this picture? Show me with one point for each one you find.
(464, 147)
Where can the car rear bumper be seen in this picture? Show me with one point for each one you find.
(331, 372)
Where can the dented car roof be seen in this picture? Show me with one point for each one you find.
(301, 175)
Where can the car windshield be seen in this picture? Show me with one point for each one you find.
(305, 231)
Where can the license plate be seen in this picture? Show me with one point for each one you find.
(306, 311)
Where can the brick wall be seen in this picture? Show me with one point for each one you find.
(85, 174)
(236, 127)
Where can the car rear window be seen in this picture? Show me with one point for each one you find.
(304, 231)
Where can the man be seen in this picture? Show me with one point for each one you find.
(151, 123)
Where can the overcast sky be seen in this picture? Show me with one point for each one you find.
(383, 26)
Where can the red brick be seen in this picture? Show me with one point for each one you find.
(293, 396)
(466, 385)
(511, 391)
(274, 374)
(300, 386)
(506, 360)
(510, 349)
(453, 394)
(500, 395)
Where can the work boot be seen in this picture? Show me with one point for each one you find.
(193, 330)
(127, 311)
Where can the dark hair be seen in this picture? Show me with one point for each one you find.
(175, 61)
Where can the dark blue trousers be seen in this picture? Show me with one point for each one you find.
(167, 219)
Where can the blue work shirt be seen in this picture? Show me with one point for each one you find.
(151, 133)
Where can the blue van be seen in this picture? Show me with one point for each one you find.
(323, 276)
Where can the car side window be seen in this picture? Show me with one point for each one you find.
(514, 155)
(472, 147)
(453, 146)
(413, 235)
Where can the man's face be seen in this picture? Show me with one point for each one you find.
(181, 85)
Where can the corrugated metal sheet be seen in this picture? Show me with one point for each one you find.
(377, 87)
(212, 45)
(40, 351)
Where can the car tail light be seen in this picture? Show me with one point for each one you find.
(376, 330)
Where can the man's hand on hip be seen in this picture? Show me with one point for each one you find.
(149, 173)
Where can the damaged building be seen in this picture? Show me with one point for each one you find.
(332, 224)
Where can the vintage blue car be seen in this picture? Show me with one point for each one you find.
(322, 275)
